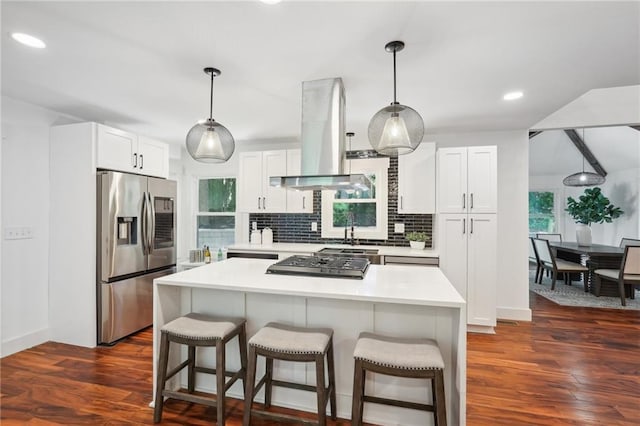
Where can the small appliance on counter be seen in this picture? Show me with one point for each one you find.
(267, 236)
(256, 237)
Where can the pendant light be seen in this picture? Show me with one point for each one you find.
(396, 129)
(209, 141)
(583, 178)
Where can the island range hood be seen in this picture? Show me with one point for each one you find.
(323, 135)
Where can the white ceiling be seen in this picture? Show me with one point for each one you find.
(138, 65)
(616, 148)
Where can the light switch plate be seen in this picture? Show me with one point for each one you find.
(398, 228)
(314, 226)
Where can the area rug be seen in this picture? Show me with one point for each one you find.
(574, 295)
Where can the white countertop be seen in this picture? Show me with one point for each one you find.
(312, 248)
(382, 283)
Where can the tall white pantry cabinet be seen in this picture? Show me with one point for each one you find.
(467, 228)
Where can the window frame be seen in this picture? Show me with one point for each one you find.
(198, 213)
(557, 208)
(379, 166)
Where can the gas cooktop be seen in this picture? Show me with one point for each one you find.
(323, 266)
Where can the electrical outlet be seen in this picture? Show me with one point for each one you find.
(254, 226)
(314, 226)
(23, 233)
(398, 228)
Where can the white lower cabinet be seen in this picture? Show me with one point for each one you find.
(467, 247)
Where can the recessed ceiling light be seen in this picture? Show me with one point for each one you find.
(28, 40)
(512, 95)
(271, 1)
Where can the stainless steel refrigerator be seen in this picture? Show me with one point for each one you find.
(136, 241)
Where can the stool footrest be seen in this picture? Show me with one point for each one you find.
(398, 403)
(190, 398)
(292, 385)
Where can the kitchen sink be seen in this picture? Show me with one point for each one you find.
(371, 254)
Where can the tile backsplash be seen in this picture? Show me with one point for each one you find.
(296, 227)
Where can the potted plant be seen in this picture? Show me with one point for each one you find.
(591, 207)
(417, 240)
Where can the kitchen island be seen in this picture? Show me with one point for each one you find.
(391, 299)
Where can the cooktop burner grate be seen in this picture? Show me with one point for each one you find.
(325, 266)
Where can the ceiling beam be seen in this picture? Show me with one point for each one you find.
(534, 133)
(585, 151)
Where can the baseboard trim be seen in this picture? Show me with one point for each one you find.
(9, 347)
(483, 329)
(517, 314)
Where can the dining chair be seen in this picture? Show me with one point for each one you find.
(549, 237)
(628, 274)
(556, 266)
(533, 257)
(629, 242)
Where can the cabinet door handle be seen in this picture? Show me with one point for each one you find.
(471, 201)
(464, 226)
(135, 160)
(464, 200)
(141, 161)
(258, 203)
(303, 198)
(264, 203)
(401, 203)
(471, 230)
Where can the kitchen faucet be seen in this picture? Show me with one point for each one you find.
(350, 218)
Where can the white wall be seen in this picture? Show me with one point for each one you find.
(623, 190)
(192, 170)
(25, 203)
(512, 255)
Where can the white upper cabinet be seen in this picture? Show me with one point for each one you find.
(255, 195)
(417, 180)
(127, 152)
(116, 149)
(153, 157)
(467, 180)
(297, 201)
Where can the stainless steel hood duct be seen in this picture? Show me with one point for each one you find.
(323, 134)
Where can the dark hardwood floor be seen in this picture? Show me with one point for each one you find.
(570, 366)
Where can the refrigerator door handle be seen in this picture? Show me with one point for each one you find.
(152, 225)
(143, 225)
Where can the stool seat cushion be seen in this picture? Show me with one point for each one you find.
(201, 327)
(294, 340)
(403, 353)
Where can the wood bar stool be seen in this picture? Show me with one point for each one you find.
(196, 330)
(414, 358)
(288, 343)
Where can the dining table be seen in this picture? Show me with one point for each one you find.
(594, 256)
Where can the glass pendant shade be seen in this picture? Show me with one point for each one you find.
(583, 179)
(210, 142)
(396, 130)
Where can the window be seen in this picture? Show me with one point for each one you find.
(367, 210)
(216, 217)
(542, 217)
